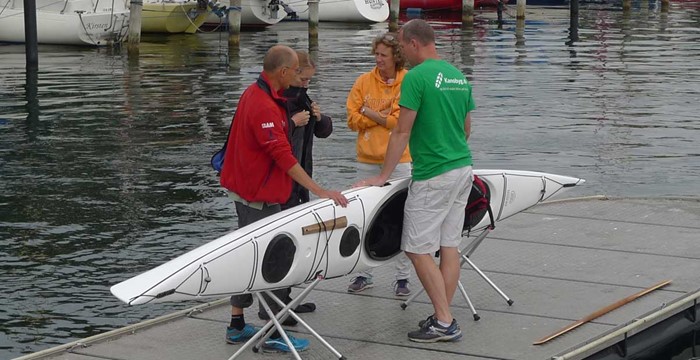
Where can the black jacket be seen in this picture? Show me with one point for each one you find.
(302, 139)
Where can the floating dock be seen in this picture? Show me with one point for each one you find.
(559, 262)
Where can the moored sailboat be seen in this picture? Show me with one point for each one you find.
(172, 16)
(68, 22)
(254, 13)
(364, 11)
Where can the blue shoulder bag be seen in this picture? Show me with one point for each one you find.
(217, 160)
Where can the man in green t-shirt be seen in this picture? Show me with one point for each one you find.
(435, 103)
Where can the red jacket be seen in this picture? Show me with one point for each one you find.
(258, 154)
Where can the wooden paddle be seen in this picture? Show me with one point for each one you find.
(602, 312)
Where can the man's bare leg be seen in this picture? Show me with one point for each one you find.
(450, 269)
(433, 283)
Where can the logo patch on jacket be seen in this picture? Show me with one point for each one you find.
(268, 125)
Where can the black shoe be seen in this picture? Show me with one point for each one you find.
(305, 308)
(289, 321)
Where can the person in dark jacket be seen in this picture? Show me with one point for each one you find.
(305, 122)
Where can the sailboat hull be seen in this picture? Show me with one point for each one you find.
(363, 11)
(254, 13)
(172, 17)
(69, 25)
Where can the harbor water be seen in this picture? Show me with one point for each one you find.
(104, 159)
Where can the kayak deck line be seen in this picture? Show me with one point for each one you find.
(559, 261)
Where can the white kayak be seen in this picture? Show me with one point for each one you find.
(318, 238)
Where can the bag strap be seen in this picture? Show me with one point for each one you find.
(219, 155)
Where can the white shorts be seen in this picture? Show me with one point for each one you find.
(434, 212)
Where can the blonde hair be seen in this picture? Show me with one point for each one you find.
(305, 60)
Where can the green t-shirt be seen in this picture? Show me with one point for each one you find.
(442, 97)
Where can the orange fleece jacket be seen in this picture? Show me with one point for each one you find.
(371, 91)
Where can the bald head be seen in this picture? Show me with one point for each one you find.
(279, 56)
(281, 66)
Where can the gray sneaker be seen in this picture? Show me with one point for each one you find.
(401, 288)
(360, 283)
(428, 321)
(434, 332)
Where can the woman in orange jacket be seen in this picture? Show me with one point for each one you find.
(373, 110)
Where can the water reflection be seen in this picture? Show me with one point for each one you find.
(31, 89)
(467, 49)
(573, 22)
(520, 47)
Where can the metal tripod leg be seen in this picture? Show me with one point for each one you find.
(508, 300)
(461, 290)
(469, 301)
(312, 331)
(411, 298)
(276, 319)
(465, 253)
(468, 250)
(277, 322)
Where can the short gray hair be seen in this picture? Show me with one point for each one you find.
(277, 57)
(419, 30)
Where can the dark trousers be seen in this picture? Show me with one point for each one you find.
(246, 216)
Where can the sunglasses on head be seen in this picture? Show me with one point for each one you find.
(389, 38)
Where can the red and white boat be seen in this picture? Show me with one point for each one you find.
(442, 5)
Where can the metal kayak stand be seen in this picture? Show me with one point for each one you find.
(465, 253)
(276, 321)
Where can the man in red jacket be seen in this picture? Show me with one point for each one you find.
(259, 167)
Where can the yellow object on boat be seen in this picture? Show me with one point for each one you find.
(172, 17)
